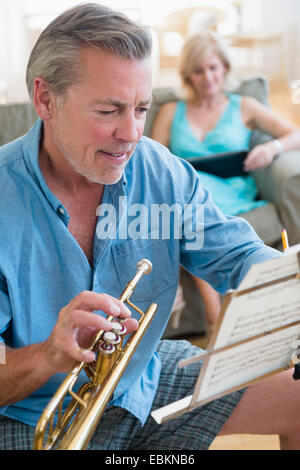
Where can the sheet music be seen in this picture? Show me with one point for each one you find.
(272, 269)
(235, 366)
(260, 311)
(246, 315)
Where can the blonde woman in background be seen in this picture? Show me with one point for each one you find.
(209, 121)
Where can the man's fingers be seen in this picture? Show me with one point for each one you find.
(80, 318)
(93, 321)
(77, 325)
(88, 300)
(131, 324)
(80, 354)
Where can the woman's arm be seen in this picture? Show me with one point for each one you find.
(286, 135)
(162, 125)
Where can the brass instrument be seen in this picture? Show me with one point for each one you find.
(74, 428)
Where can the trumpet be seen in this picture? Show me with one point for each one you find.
(73, 429)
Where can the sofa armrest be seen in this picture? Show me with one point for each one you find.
(280, 183)
(160, 96)
(15, 120)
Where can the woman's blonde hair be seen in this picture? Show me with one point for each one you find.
(194, 51)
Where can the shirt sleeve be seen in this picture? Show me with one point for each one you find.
(217, 248)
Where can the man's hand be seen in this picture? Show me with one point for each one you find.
(76, 327)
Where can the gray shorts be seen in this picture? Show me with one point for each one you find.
(119, 430)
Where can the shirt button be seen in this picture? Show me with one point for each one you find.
(61, 210)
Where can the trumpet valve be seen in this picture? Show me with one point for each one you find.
(118, 328)
(106, 348)
(110, 337)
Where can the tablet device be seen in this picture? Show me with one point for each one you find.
(225, 164)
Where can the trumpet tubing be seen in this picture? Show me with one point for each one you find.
(75, 427)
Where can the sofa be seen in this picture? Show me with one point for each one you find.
(279, 184)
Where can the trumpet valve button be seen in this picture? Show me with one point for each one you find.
(109, 337)
(107, 348)
(117, 340)
(118, 328)
(123, 330)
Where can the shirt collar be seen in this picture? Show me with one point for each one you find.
(31, 154)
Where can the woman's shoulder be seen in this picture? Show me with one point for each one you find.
(247, 103)
(250, 104)
(251, 108)
(169, 107)
(163, 122)
(167, 111)
(243, 99)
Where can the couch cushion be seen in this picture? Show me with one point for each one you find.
(280, 184)
(160, 96)
(256, 86)
(15, 120)
(266, 223)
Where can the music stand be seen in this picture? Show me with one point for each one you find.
(254, 338)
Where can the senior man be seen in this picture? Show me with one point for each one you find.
(61, 270)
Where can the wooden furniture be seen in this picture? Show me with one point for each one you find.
(184, 22)
(257, 44)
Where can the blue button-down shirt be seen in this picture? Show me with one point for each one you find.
(42, 267)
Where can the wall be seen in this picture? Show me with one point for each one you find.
(284, 15)
(15, 41)
(257, 15)
(13, 53)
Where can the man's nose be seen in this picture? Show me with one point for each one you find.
(127, 129)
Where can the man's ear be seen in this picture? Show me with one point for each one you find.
(43, 98)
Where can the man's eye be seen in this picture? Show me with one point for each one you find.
(143, 110)
(105, 113)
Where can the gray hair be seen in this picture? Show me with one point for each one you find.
(55, 56)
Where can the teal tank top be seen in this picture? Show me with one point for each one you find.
(229, 134)
(232, 195)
